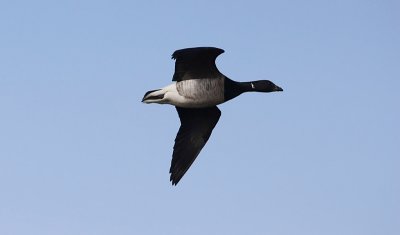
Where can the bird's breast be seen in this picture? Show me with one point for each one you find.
(199, 93)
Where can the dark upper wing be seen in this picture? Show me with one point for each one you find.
(196, 128)
(196, 63)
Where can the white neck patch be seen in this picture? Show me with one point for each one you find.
(252, 85)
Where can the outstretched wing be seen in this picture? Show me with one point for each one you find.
(196, 128)
(196, 63)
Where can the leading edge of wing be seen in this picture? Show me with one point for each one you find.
(194, 51)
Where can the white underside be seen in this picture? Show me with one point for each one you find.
(173, 97)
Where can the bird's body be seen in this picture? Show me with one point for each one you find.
(196, 93)
(197, 88)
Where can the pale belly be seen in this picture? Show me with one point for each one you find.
(197, 93)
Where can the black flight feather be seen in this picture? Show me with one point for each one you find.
(196, 63)
(195, 130)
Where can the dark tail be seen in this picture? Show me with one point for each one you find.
(152, 97)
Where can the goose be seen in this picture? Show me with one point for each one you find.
(197, 88)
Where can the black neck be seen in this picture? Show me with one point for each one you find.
(247, 86)
(233, 88)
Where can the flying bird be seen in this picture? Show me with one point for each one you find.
(198, 87)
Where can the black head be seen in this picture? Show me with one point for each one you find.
(265, 86)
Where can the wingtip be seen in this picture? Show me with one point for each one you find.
(174, 178)
(174, 182)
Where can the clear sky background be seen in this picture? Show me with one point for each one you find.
(81, 155)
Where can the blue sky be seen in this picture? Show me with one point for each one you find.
(80, 154)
